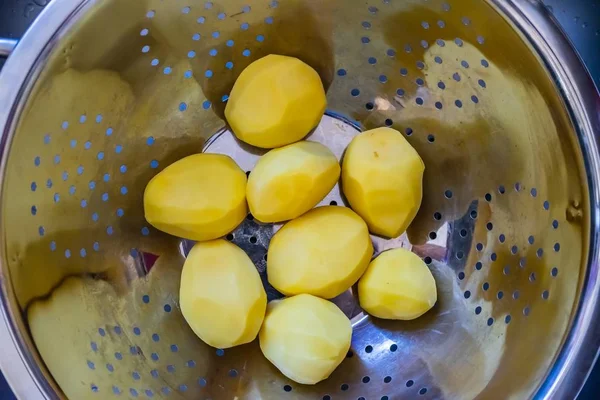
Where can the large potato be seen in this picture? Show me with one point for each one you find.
(275, 101)
(289, 181)
(305, 337)
(221, 294)
(397, 285)
(322, 253)
(382, 178)
(200, 197)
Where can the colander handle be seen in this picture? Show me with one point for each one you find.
(7, 46)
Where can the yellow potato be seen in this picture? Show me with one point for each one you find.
(289, 181)
(221, 294)
(305, 337)
(397, 285)
(382, 178)
(200, 197)
(275, 101)
(322, 253)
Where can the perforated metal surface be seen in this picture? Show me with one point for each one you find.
(503, 225)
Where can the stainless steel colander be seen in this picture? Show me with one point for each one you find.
(101, 95)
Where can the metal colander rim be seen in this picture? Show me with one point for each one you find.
(533, 22)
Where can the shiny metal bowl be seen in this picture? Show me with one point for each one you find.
(101, 95)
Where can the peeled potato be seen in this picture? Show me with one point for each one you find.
(200, 197)
(305, 337)
(221, 294)
(382, 178)
(397, 285)
(322, 253)
(275, 101)
(289, 181)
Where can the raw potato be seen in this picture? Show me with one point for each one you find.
(322, 253)
(289, 181)
(222, 297)
(397, 285)
(275, 101)
(305, 337)
(200, 197)
(382, 178)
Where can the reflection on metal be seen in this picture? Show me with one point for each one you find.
(125, 88)
(7, 46)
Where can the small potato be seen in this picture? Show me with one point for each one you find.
(276, 100)
(322, 253)
(200, 197)
(305, 337)
(289, 181)
(382, 178)
(397, 285)
(221, 294)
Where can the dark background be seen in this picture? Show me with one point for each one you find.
(580, 19)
